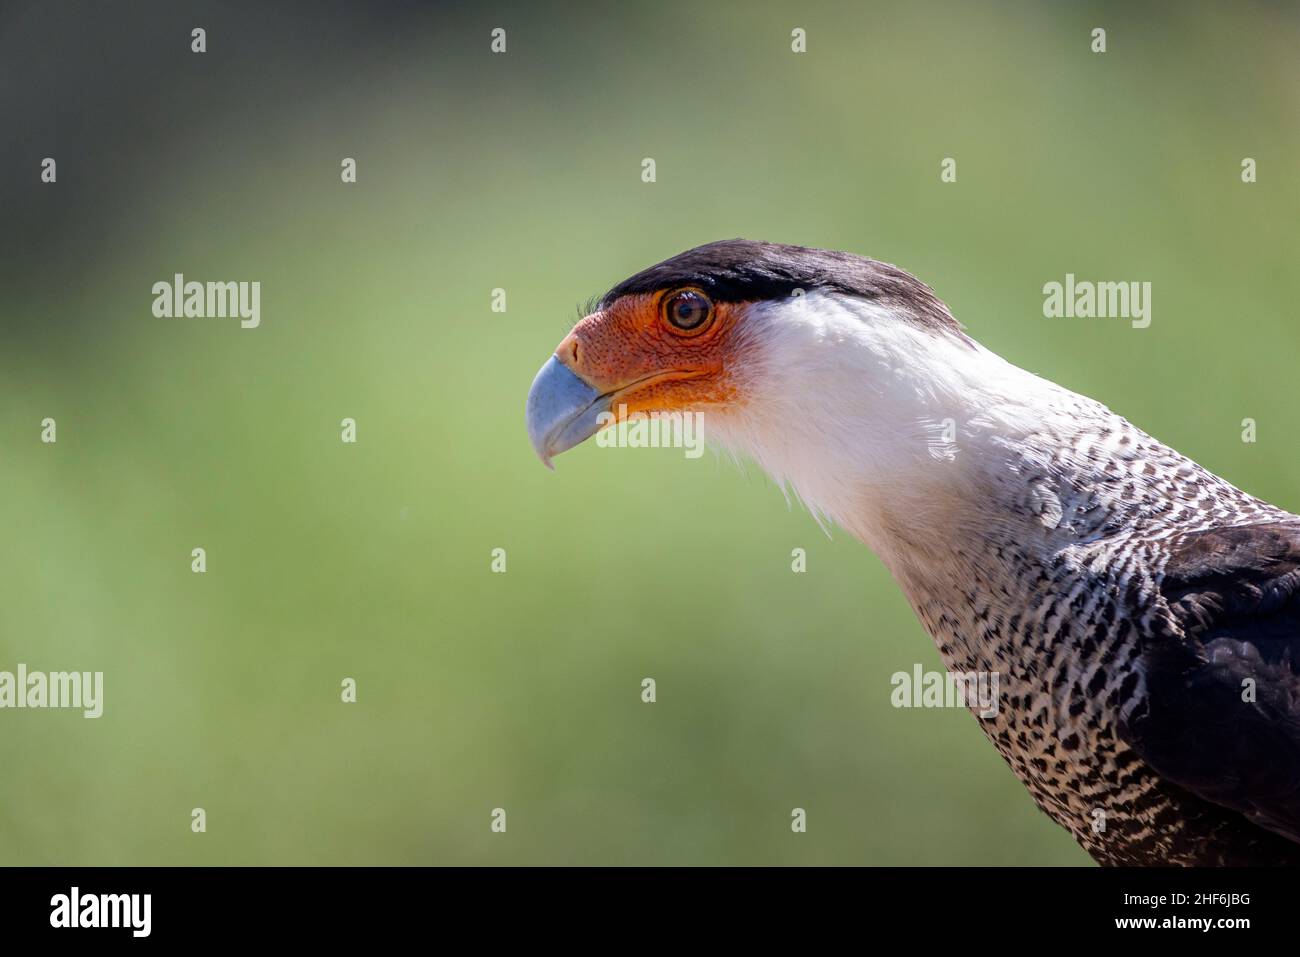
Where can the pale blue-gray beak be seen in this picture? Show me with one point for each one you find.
(562, 410)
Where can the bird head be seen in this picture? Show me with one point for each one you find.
(645, 350)
(838, 374)
(717, 328)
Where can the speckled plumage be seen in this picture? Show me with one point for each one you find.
(1067, 636)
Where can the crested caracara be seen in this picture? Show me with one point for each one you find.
(1141, 613)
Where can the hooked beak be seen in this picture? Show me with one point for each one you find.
(562, 410)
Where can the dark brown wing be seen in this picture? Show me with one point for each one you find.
(1220, 712)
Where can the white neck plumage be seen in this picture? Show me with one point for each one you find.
(911, 439)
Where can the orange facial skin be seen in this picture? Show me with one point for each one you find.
(631, 353)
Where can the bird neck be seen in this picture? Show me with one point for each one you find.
(922, 443)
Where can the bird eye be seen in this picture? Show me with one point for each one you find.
(687, 309)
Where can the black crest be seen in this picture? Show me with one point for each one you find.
(744, 270)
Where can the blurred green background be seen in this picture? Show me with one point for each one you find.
(522, 171)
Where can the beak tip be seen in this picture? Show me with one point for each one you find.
(561, 411)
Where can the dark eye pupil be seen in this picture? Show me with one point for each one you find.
(688, 310)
